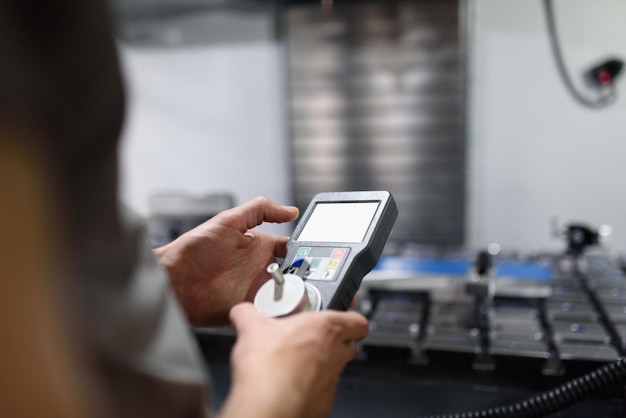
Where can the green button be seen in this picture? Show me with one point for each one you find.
(315, 263)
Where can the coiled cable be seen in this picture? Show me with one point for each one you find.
(578, 389)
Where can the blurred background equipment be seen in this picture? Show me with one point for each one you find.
(217, 82)
(376, 101)
(174, 213)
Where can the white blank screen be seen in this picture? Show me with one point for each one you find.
(339, 222)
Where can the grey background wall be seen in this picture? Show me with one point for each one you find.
(210, 118)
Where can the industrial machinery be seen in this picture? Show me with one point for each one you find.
(453, 332)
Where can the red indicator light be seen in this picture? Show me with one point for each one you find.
(604, 77)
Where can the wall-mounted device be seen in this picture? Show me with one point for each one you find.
(337, 241)
(601, 77)
(605, 73)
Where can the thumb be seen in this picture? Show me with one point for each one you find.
(245, 315)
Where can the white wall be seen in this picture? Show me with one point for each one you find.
(207, 118)
(535, 153)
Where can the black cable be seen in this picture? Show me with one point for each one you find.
(602, 101)
(593, 383)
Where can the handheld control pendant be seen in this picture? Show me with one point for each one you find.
(337, 241)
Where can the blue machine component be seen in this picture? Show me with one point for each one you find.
(509, 269)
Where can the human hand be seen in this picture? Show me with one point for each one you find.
(289, 367)
(223, 261)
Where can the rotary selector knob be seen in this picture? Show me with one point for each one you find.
(286, 294)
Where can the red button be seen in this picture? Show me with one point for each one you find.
(605, 77)
(338, 252)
